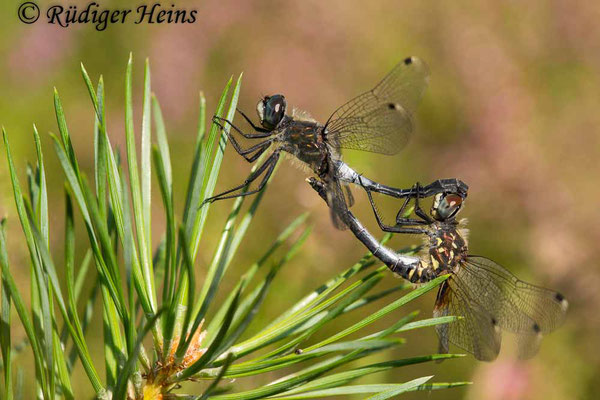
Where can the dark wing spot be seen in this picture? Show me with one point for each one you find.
(559, 297)
(393, 106)
(408, 60)
(494, 321)
(536, 328)
(298, 351)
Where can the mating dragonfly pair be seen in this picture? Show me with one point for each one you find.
(486, 296)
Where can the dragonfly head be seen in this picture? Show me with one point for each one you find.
(446, 206)
(271, 110)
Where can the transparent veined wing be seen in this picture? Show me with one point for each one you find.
(337, 203)
(488, 298)
(473, 331)
(381, 120)
(519, 307)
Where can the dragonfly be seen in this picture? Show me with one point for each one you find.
(380, 120)
(487, 298)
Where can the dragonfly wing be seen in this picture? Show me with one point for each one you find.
(474, 331)
(381, 120)
(441, 310)
(528, 344)
(337, 203)
(349, 195)
(519, 306)
(528, 311)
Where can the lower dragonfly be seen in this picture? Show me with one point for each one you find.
(486, 297)
(379, 121)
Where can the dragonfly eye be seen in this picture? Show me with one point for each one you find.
(271, 111)
(446, 206)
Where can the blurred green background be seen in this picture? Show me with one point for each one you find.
(512, 109)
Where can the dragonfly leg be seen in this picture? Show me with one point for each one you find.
(262, 133)
(255, 127)
(402, 224)
(418, 210)
(267, 168)
(401, 219)
(400, 214)
(259, 148)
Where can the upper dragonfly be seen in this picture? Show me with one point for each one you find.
(379, 121)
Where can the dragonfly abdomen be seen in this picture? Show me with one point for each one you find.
(416, 274)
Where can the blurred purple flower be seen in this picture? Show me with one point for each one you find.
(38, 52)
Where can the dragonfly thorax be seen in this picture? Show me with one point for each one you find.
(303, 140)
(447, 248)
